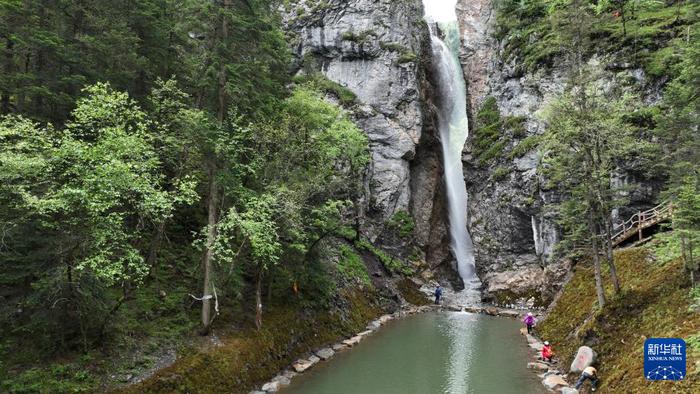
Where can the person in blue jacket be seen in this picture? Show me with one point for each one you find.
(438, 294)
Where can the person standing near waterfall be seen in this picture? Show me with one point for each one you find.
(438, 295)
(529, 321)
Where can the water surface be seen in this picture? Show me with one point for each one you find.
(455, 353)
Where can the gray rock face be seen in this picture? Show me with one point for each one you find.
(372, 48)
(510, 220)
(380, 50)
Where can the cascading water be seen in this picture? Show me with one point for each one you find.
(454, 129)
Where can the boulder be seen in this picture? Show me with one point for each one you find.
(538, 366)
(384, 319)
(314, 360)
(302, 365)
(531, 339)
(282, 380)
(271, 387)
(289, 374)
(473, 309)
(364, 333)
(585, 356)
(374, 325)
(325, 353)
(553, 381)
(511, 314)
(523, 331)
(491, 311)
(352, 341)
(537, 346)
(339, 346)
(568, 390)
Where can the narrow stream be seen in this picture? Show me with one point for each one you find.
(448, 352)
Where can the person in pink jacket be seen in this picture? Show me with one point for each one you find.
(529, 321)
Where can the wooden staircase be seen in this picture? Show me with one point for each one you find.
(641, 220)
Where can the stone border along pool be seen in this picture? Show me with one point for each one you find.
(302, 365)
(552, 377)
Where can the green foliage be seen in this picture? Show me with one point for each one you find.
(500, 173)
(351, 268)
(59, 379)
(318, 81)
(492, 132)
(487, 132)
(645, 32)
(402, 222)
(527, 145)
(360, 38)
(392, 264)
(407, 57)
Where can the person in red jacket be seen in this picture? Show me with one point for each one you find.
(547, 352)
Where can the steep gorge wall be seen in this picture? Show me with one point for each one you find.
(511, 219)
(380, 50)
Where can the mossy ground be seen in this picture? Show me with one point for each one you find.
(250, 357)
(654, 302)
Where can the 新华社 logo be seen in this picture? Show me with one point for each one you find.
(664, 359)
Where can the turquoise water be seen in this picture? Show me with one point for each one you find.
(453, 353)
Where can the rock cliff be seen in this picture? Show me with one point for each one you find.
(511, 222)
(380, 50)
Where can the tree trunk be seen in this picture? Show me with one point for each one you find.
(610, 254)
(7, 92)
(258, 301)
(222, 67)
(207, 260)
(152, 259)
(600, 292)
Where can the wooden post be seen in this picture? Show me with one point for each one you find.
(639, 225)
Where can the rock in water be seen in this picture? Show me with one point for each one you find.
(585, 356)
(325, 354)
(553, 381)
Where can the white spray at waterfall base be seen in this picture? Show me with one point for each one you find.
(454, 128)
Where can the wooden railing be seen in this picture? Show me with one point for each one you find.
(639, 221)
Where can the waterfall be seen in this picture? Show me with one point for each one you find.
(454, 128)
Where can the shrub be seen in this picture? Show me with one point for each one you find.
(402, 222)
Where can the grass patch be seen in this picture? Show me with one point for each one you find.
(351, 268)
(654, 303)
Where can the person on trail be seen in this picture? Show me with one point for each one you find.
(529, 321)
(438, 295)
(547, 352)
(591, 374)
